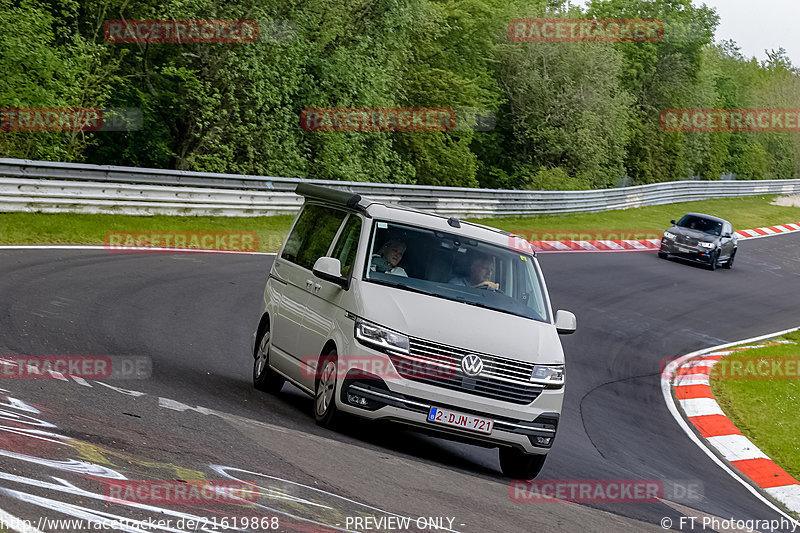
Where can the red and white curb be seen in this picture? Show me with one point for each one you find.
(642, 245)
(646, 245)
(685, 383)
(767, 232)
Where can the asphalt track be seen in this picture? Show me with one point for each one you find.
(194, 315)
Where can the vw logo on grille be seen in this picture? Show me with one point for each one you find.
(472, 365)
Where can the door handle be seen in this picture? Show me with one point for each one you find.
(309, 283)
(317, 287)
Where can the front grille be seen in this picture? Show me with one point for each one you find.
(440, 365)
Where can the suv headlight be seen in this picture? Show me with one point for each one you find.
(670, 236)
(379, 337)
(548, 375)
(707, 244)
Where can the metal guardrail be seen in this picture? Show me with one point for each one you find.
(53, 187)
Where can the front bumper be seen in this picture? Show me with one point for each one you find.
(685, 251)
(530, 428)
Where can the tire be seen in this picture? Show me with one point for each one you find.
(714, 261)
(663, 255)
(729, 263)
(325, 411)
(520, 465)
(265, 378)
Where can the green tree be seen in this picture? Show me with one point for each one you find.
(662, 75)
(47, 63)
(567, 109)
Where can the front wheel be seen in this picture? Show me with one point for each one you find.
(714, 261)
(325, 411)
(729, 262)
(663, 255)
(264, 377)
(520, 465)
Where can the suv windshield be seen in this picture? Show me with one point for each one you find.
(456, 268)
(712, 227)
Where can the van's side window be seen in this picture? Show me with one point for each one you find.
(312, 235)
(347, 245)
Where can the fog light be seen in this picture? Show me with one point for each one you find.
(356, 399)
(543, 441)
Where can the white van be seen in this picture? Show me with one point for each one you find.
(390, 313)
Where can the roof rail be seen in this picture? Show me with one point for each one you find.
(344, 198)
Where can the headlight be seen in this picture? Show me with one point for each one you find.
(548, 375)
(707, 244)
(380, 337)
(670, 236)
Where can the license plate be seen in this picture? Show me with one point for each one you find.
(446, 417)
(683, 249)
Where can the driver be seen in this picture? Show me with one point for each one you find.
(480, 269)
(388, 257)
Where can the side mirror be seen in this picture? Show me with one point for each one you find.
(566, 323)
(330, 269)
(728, 235)
(672, 222)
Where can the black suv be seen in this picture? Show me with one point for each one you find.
(701, 238)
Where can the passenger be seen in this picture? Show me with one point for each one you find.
(388, 257)
(480, 268)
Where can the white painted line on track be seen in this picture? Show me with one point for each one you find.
(666, 392)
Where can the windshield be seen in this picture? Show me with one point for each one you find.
(456, 268)
(712, 227)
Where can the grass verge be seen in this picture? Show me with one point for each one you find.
(765, 410)
(70, 228)
(640, 223)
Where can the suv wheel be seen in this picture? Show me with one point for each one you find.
(520, 465)
(325, 410)
(264, 377)
(714, 261)
(663, 255)
(729, 262)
